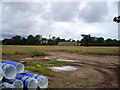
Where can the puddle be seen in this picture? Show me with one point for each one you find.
(37, 58)
(63, 68)
(47, 58)
(66, 60)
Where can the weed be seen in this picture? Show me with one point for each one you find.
(31, 63)
(54, 63)
(54, 87)
(85, 78)
(39, 54)
(58, 63)
(16, 60)
(34, 64)
(87, 85)
(40, 70)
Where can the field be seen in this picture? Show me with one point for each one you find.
(22, 50)
(96, 67)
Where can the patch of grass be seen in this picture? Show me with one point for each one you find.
(101, 54)
(39, 54)
(19, 53)
(31, 63)
(28, 63)
(88, 82)
(86, 85)
(89, 53)
(40, 70)
(43, 69)
(50, 88)
(15, 60)
(56, 63)
(85, 78)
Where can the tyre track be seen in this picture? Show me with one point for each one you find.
(108, 79)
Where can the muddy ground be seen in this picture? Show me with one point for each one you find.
(93, 71)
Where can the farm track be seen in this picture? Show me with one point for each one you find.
(102, 70)
(109, 73)
(107, 80)
(108, 69)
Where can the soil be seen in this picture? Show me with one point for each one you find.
(93, 71)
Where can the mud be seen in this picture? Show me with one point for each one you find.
(92, 71)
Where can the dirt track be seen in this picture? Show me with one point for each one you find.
(101, 70)
(93, 71)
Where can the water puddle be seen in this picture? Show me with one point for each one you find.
(63, 68)
(37, 58)
(47, 58)
(66, 60)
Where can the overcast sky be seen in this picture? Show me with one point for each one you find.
(63, 19)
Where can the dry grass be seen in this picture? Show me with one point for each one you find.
(21, 50)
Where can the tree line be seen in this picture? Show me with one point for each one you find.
(87, 40)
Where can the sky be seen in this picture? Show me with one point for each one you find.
(60, 19)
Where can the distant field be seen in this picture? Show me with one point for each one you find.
(21, 50)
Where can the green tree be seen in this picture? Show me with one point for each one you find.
(38, 39)
(100, 40)
(86, 39)
(30, 40)
(110, 42)
(44, 41)
(23, 41)
(7, 41)
(16, 40)
(58, 40)
(53, 38)
(117, 19)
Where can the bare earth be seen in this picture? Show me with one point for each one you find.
(93, 71)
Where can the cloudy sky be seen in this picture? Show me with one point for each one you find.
(63, 19)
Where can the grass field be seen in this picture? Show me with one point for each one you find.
(41, 50)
